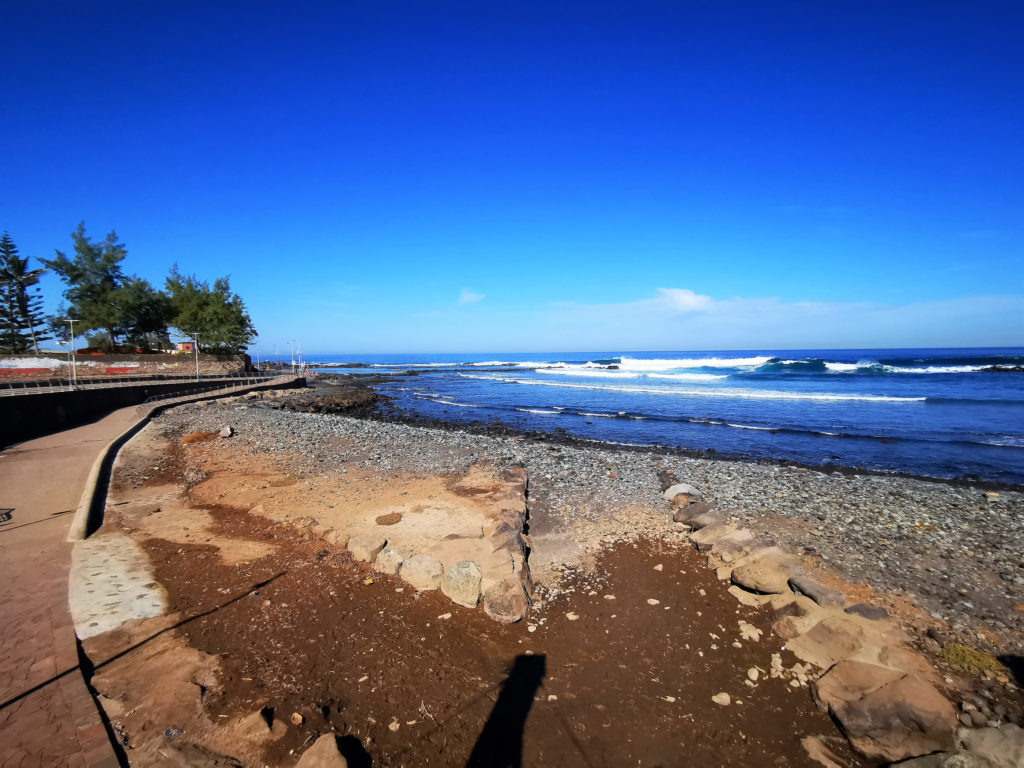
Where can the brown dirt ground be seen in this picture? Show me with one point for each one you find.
(354, 658)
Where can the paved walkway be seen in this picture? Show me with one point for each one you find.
(47, 716)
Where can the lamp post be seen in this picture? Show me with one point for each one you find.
(74, 363)
(196, 337)
(292, 343)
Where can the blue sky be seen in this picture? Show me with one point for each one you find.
(503, 176)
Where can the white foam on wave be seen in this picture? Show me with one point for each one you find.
(540, 411)
(725, 392)
(638, 364)
(936, 369)
(841, 367)
(592, 372)
(442, 401)
(689, 376)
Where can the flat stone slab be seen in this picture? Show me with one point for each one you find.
(110, 584)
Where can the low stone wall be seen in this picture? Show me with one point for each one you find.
(55, 365)
(24, 417)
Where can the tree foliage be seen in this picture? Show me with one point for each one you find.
(93, 276)
(22, 324)
(214, 314)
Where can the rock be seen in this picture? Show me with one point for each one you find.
(324, 754)
(391, 518)
(226, 432)
(389, 560)
(873, 612)
(885, 714)
(753, 673)
(297, 719)
(722, 699)
(461, 583)
(703, 520)
(705, 538)
(686, 512)
(506, 601)
(680, 488)
(946, 760)
(1003, 746)
(764, 577)
(991, 495)
(830, 640)
(572, 616)
(424, 572)
(653, 601)
(366, 548)
(821, 595)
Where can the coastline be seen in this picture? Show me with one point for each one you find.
(953, 548)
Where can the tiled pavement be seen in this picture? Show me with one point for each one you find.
(47, 716)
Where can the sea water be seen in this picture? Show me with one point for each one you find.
(933, 412)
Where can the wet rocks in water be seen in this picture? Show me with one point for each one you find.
(423, 572)
(461, 583)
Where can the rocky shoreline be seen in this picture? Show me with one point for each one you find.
(956, 551)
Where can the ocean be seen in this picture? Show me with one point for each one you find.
(934, 412)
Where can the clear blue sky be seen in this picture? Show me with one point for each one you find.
(499, 176)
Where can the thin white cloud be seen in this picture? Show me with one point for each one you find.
(678, 318)
(468, 297)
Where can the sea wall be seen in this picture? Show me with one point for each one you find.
(24, 417)
(55, 365)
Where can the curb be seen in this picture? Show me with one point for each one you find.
(89, 514)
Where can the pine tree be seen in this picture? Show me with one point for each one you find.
(22, 324)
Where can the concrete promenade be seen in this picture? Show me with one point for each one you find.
(48, 718)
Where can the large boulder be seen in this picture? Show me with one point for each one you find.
(506, 602)
(680, 489)
(323, 754)
(423, 572)
(885, 714)
(461, 583)
(819, 594)
(684, 513)
(389, 560)
(766, 577)
(366, 548)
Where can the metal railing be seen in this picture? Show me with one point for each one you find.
(39, 386)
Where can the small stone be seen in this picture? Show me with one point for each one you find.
(991, 495)
(722, 699)
(226, 432)
(753, 673)
(393, 726)
(609, 597)
(669, 699)
(444, 616)
(552, 697)
(679, 489)
(391, 518)
(572, 616)
(653, 601)
(531, 628)
(389, 560)
(297, 719)
(659, 567)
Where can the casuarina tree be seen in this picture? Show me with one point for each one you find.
(92, 275)
(214, 314)
(22, 324)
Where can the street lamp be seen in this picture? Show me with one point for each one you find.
(292, 343)
(74, 363)
(196, 337)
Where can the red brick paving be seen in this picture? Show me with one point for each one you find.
(42, 480)
(58, 724)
